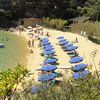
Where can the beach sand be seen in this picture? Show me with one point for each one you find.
(85, 49)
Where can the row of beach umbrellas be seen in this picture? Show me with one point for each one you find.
(48, 52)
(78, 69)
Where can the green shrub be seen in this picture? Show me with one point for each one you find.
(91, 28)
(81, 89)
(60, 24)
(54, 23)
(9, 80)
(46, 21)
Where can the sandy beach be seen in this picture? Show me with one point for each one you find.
(85, 50)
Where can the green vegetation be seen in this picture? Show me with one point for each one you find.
(15, 50)
(54, 23)
(55, 14)
(68, 89)
(81, 89)
(12, 10)
(91, 28)
(9, 80)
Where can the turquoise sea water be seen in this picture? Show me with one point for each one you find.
(15, 50)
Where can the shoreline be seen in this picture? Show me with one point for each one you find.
(26, 39)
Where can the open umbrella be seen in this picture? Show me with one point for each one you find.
(60, 37)
(50, 60)
(48, 52)
(46, 77)
(64, 47)
(82, 74)
(68, 45)
(63, 42)
(76, 59)
(46, 43)
(48, 68)
(43, 41)
(79, 67)
(71, 48)
(48, 48)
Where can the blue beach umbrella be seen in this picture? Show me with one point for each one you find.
(48, 68)
(71, 48)
(63, 42)
(76, 59)
(60, 37)
(46, 77)
(50, 60)
(79, 67)
(68, 45)
(49, 52)
(46, 43)
(43, 41)
(82, 74)
(48, 48)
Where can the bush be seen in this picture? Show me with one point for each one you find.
(46, 21)
(81, 89)
(9, 80)
(54, 23)
(91, 28)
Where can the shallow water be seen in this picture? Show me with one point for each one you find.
(15, 50)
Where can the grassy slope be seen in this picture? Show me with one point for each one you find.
(15, 50)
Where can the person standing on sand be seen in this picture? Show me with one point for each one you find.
(29, 43)
(20, 30)
(32, 42)
(31, 51)
(77, 40)
(48, 34)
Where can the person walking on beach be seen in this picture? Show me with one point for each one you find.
(32, 42)
(29, 43)
(47, 33)
(77, 40)
(31, 51)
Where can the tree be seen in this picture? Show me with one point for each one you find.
(10, 79)
(93, 9)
